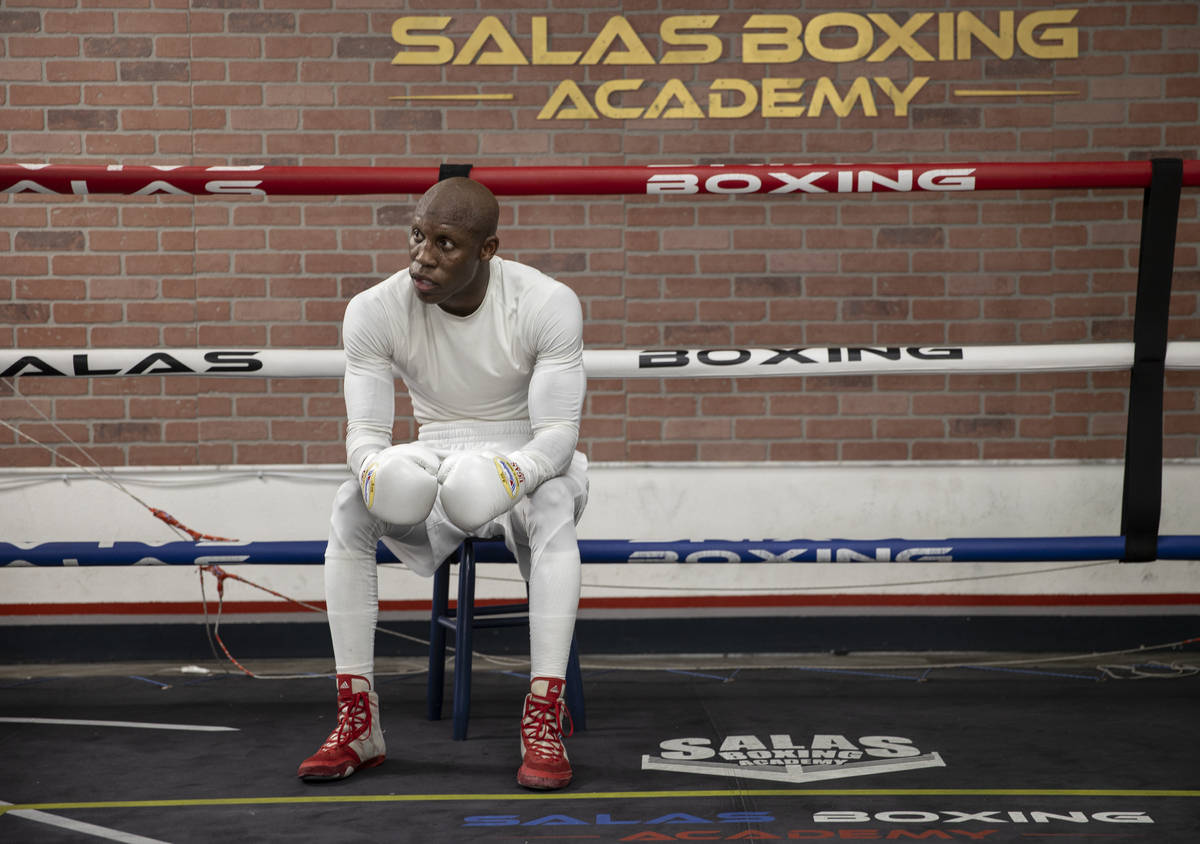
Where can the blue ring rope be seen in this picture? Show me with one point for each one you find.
(965, 550)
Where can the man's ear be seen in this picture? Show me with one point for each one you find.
(488, 248)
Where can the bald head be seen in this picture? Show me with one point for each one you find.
(451, 243)
(463, 202)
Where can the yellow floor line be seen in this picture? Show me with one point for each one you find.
(609, 795)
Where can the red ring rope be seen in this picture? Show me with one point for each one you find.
(788, 179)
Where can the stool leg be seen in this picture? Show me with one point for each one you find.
(464, 621)
(434, 689)
(574, 689)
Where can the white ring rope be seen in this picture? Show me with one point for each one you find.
(617, 363)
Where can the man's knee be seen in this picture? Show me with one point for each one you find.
(554, 499)
(548, 515)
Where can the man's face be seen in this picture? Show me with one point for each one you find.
(449, 262)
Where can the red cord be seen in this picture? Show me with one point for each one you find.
(221, 575)
(194, 534)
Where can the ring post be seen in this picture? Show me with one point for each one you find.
(1141, 504)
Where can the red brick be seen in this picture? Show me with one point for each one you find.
(117, 336)
(840, 429)
(161, 264)
(874, 451)
(803, 451)
(304, 336)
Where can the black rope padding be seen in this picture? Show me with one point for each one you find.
(449, 171)
(1141, 505)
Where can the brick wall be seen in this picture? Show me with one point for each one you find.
(239, 81)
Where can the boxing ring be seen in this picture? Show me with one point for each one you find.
(1146, 358)
(774, 740)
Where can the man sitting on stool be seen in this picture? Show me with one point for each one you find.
(491, 352)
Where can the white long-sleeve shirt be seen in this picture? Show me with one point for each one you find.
(518, 357)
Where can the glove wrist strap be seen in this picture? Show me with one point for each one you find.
(529, 470)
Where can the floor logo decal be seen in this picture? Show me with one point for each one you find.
(779, 758)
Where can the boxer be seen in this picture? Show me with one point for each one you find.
(491, 353)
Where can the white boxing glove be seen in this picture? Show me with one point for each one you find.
(399, 484)
(478, 486)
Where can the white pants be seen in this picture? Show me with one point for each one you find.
(539, 531)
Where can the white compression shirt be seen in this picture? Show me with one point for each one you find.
(517, 358)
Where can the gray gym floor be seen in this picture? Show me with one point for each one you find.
(932, 747)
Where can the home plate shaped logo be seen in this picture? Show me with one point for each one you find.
(780, 759)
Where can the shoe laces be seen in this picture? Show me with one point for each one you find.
(542, 726)
(354, 719)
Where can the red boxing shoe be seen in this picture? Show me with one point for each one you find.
(544, 763)
(357, 741)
